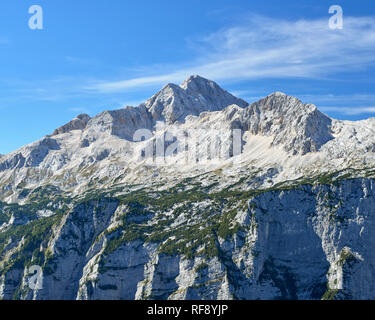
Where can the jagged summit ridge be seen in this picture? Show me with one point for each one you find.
(194, 96)
(78, 123)
(171, 104)
(301, 128)
(277, 131)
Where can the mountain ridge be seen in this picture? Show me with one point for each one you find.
(278, 123)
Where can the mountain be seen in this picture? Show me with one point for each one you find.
(174, 103)
(194, 194)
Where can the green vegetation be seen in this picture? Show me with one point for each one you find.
(346, 256)
(330, 294)
(217, 220)
(29, 237)
(203, 266)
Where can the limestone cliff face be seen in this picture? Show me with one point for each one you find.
(307, 243)
(301, 242)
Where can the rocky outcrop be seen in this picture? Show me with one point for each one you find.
(196, 95)
(300, 128)
(32, 156)
(121, 123)
(78, 123)
(303, 242)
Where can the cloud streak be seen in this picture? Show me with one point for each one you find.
(351, 111)
(270, 48)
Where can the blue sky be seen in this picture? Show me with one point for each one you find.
(98, 55)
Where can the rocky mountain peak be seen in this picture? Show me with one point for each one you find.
(280, 120)
(173, 103)
(194, 96)
(277, 94)
(197, 83)
(78, 123)
(300, 127)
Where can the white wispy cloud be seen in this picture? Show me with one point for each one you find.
(79, 110)
(349, 110)
(270, 48)
(132, 102)
(360, 103)
(339, 99)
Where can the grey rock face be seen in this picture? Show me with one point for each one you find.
(78, 123)
(196, 95)
(291, 247)
(299, 128)
(69, 245)
(17, 161)
(307, 242)
(35, 154)
(121, 123)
